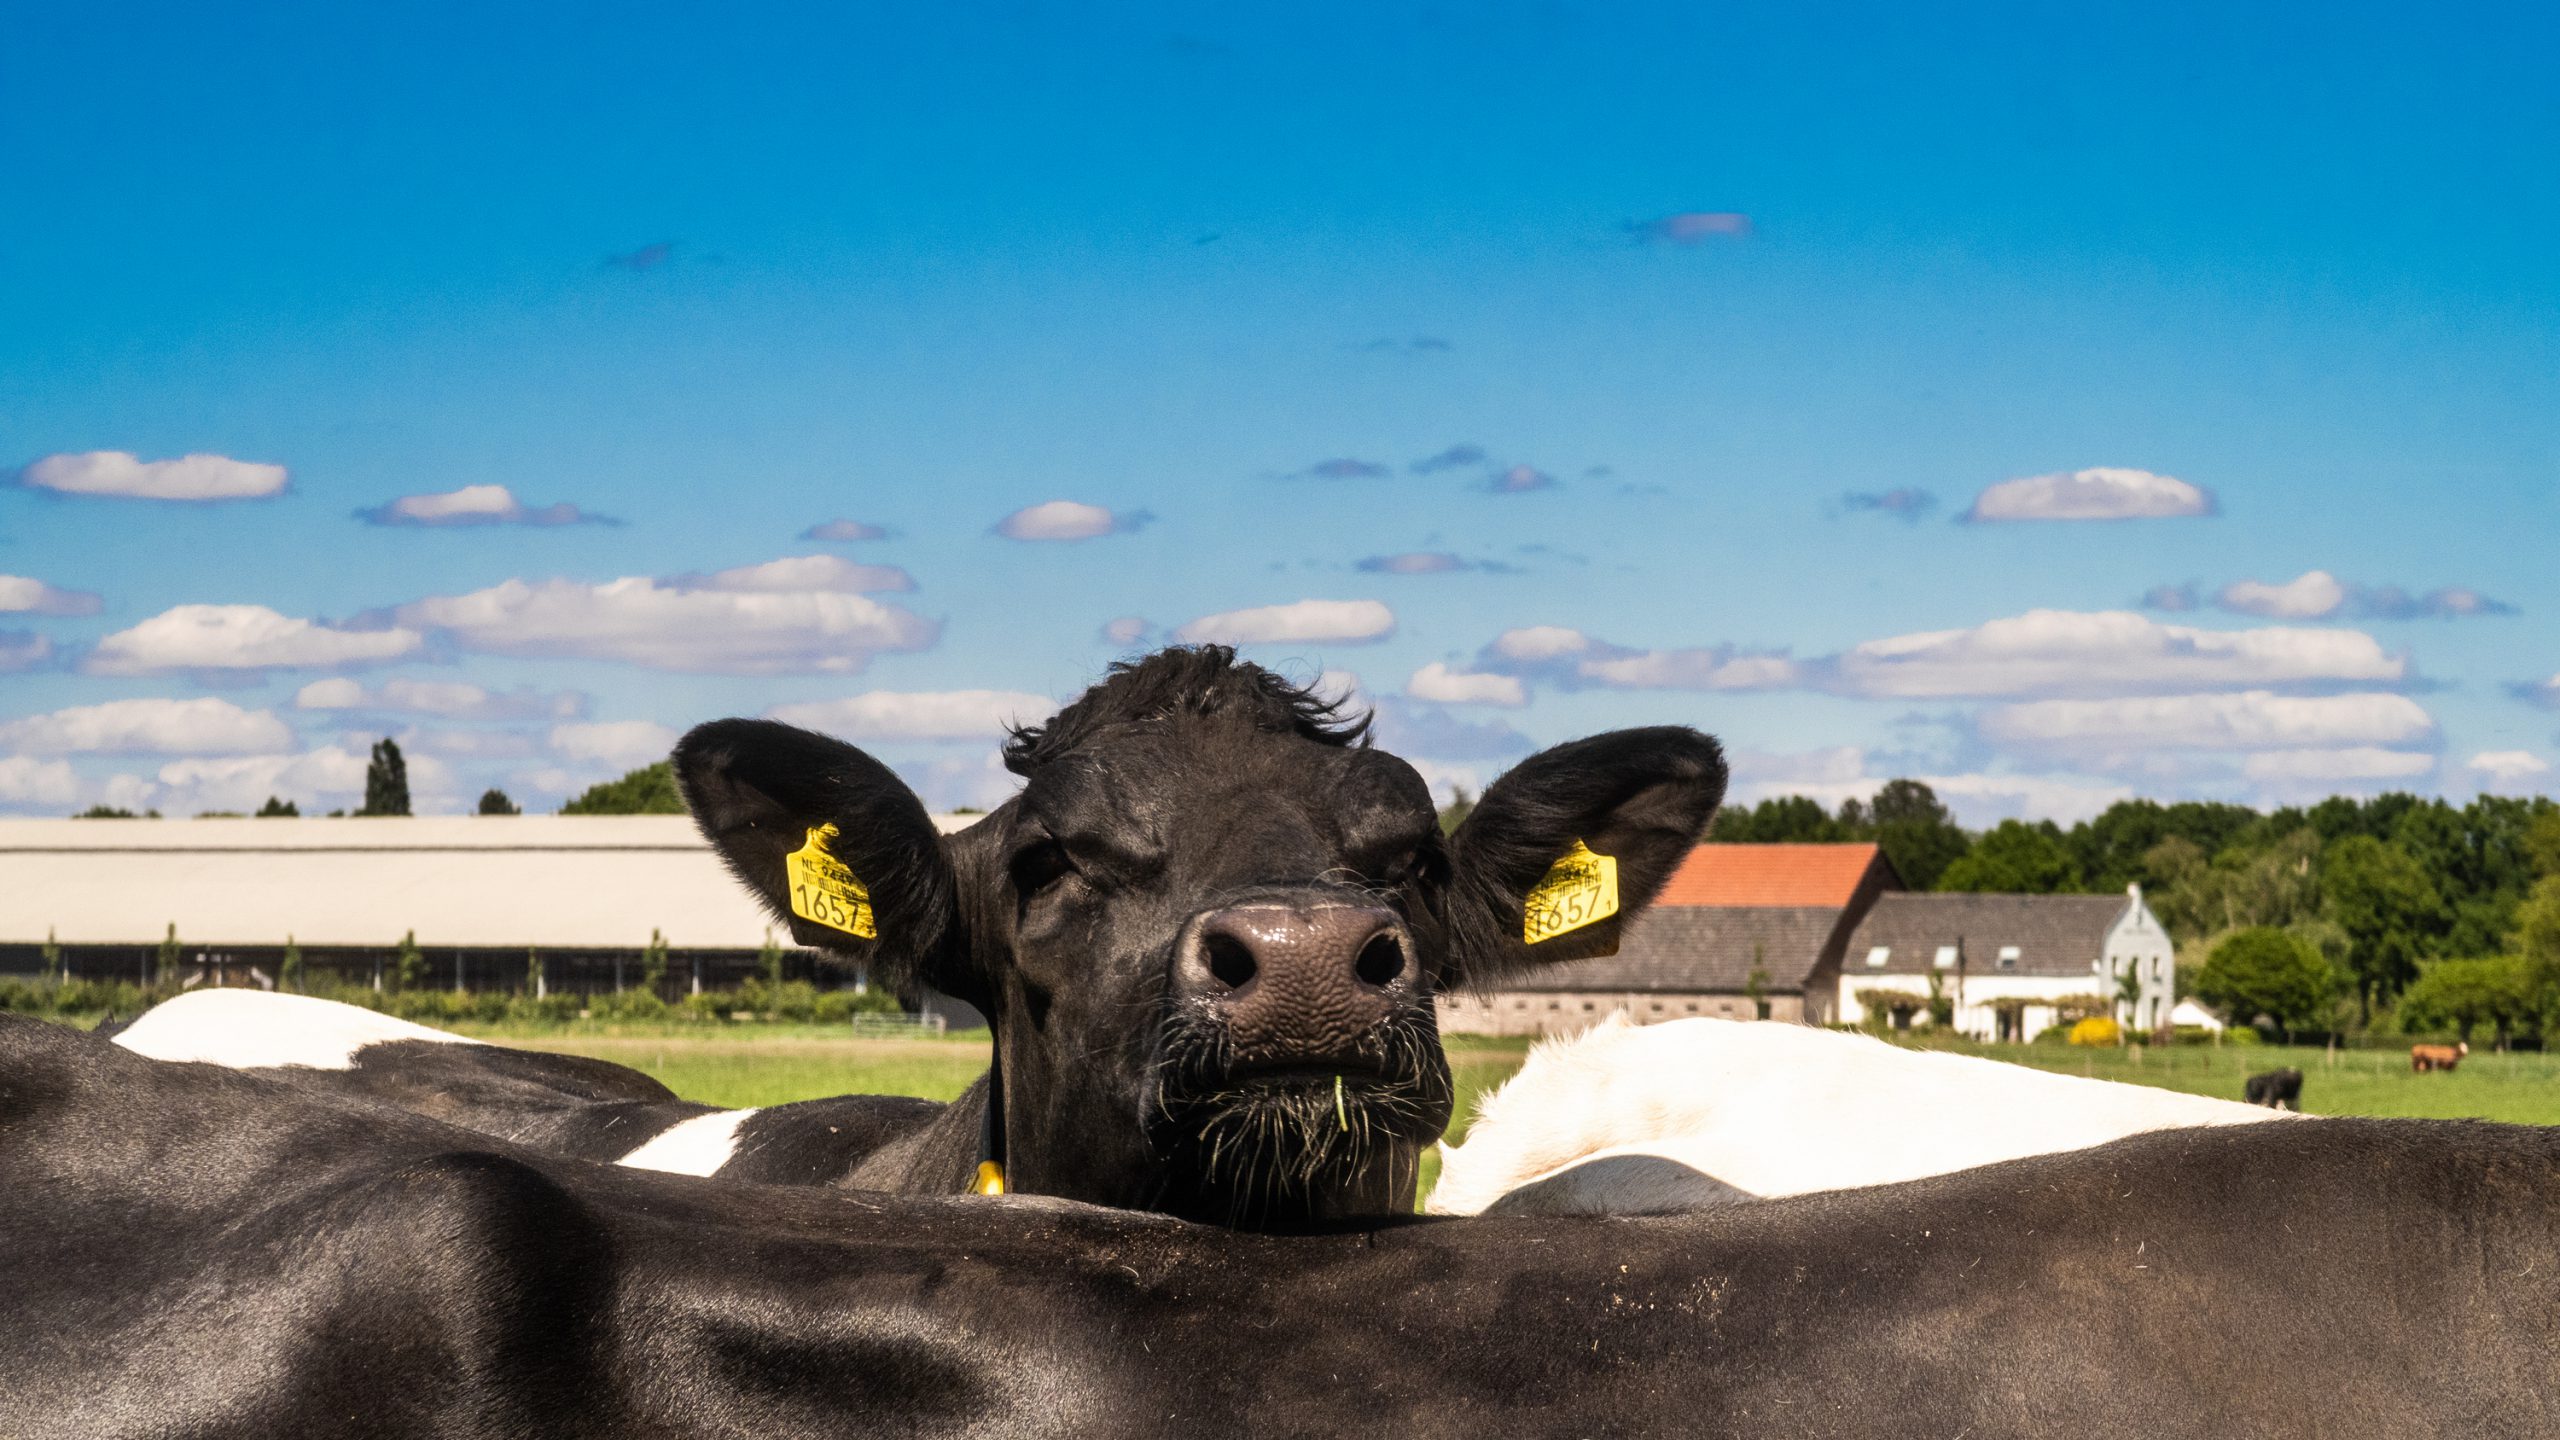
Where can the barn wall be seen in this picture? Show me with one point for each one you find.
(1559, 1012)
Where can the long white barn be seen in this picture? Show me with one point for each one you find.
(581, 883)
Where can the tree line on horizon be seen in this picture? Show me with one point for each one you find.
(2372, 915)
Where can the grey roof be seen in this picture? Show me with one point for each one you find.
(1701, 947)
(2055, 934)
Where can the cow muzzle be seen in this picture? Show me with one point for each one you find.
(1297, 985)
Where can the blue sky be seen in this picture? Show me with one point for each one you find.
(1746, 367)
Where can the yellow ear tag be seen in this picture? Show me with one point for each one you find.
(824, 891)
(1580, 889)
(990, 1179)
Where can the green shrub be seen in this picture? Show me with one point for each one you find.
(710, 1007)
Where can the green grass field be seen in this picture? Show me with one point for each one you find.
(785, 1063)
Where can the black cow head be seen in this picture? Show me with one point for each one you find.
(1209, 929)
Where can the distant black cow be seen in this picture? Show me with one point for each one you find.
(193, 1251)
(1208, 933)
(2276, 1089)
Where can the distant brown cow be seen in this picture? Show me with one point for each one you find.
(2423, 1058)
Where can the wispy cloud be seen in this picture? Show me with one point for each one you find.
(1338, 622)
(1426, 731)
(2544, 693)
(2170, 599)
(1429, 562)
(1456, 457)
(447, 699)
(1341, 468)
(2099, 493)
(843, 532)
(1519, 479)
(242, 637)
(1438, 683)
(2317, 594)
(1127, 630)
(1691, 227)
(23, 596)
(187, 478)
(2246, 720)
(476, 505)
(1570, 659)
(666, 626)
(648, 257)
(919, 715)
(149, 726)
(1069, 520)
(830, 574)
(1906, 503)
(620, 744)
(23, 650)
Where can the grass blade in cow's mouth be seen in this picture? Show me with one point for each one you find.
(1280, 1144)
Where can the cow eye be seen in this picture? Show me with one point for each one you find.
(1038, 866)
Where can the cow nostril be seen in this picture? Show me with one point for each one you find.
(1229, 959)
(1381, 960)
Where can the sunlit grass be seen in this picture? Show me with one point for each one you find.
(784, 1063)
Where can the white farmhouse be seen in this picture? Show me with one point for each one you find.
(2010, 964)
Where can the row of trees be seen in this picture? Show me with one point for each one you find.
(2321, 917)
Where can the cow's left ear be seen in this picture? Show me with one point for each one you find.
(831, 840)
(1572, 843)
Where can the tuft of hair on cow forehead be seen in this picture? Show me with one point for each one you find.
(1199, 680)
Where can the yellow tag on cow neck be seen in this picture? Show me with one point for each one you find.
(824, 891)
(1580, 889)
(990, 1179)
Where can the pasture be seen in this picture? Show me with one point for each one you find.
(783, 1063)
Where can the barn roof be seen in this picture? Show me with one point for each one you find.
(1700, 947)
(1770, 875)
(2056, 935)
(553, 880)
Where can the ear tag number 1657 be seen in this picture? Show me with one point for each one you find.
(1580, 889)
(824, 891)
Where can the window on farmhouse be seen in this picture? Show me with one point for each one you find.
(2008, 957)
(1879, 955)
(1946, 957)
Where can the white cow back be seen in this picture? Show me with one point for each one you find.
(1779, 1109)
(246, 1029)
(698, 1146)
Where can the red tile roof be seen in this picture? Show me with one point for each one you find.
(1769, 875)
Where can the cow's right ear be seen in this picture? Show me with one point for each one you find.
(1572, 843)
(831, 841)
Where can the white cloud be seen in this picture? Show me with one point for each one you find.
(151, 726)
(328, 777)
(24, 596)
(456, 744)
(2508, 769)
(241, 637)
(801, 574)
(623, 744)
(1127, 630)
(1709, 668)
(1448, 779)
(1436, 681)
(26, 781)
(2064, 652)
(1067, 520)
(948, 782)
(2100, 493)
(1340, 622)
(2286, 768)
(1520, 479)
(1340, 686)
(642, 622)
(475, 505)
(2248, 720)
(1572, 659)
(2306, 597)
(190, 477)
(451, 699)
(1539, 642)
(919, 715)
